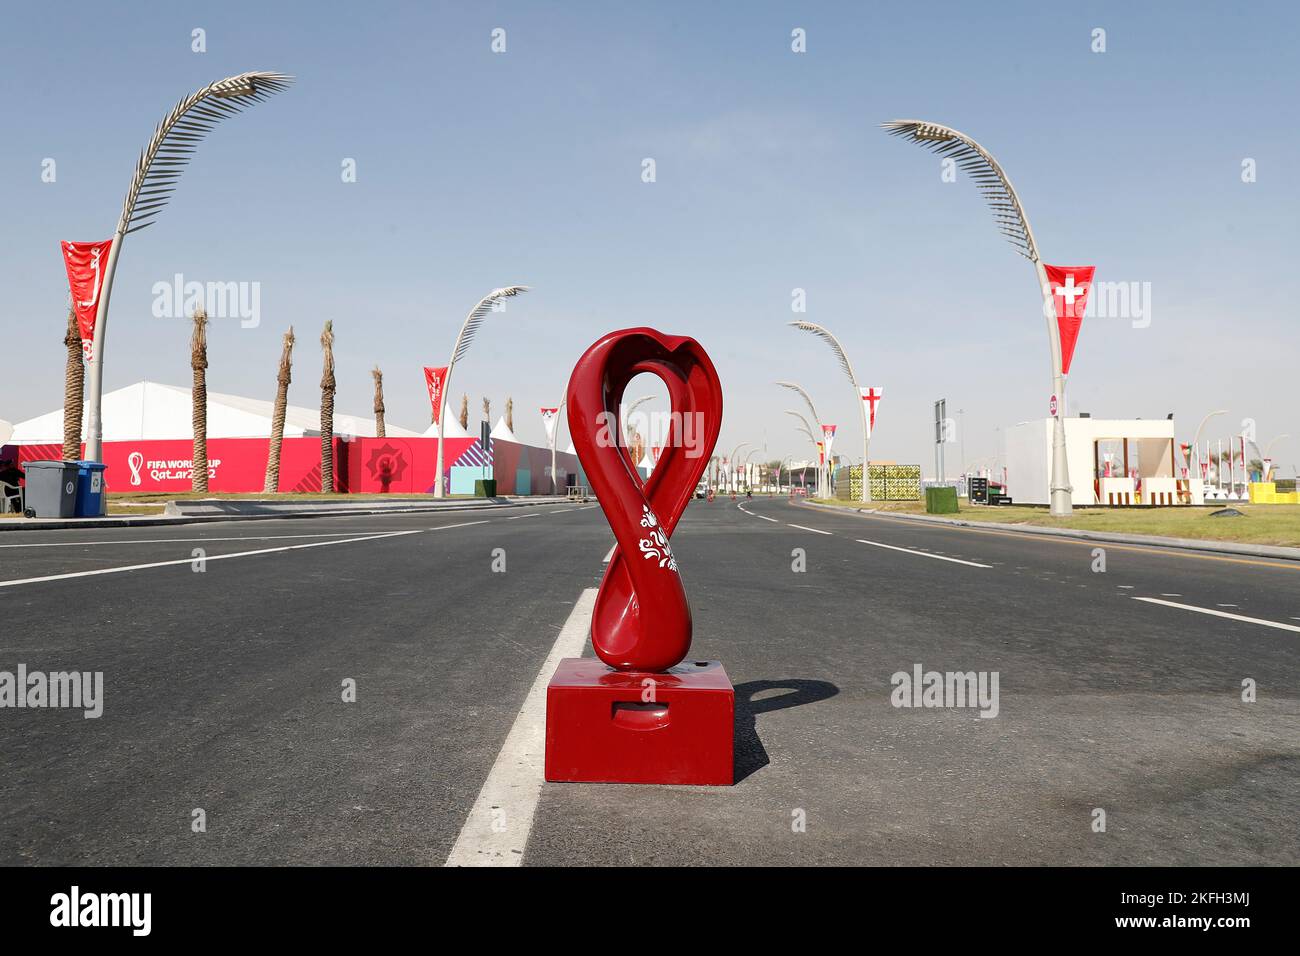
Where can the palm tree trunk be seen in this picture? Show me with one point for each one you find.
(327, 387)
(379, 402)
(74, 386)
(510, 413)
(272, 483)
(199, 401)
(464, 412)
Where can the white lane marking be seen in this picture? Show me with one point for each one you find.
(251, 537)
(610, 554)
(1169, 594)
(211, 557)
(496, 830)
(1126, 587)
(923, 554)
(766, 518)
(1234, 617)
(463, 524)
(1227, 605)
(813, 530)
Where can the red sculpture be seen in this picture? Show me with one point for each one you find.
(640, 715)
(642, 620)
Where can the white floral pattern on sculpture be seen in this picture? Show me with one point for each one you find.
(656, 546)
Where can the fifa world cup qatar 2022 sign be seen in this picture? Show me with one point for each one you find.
(640, 712)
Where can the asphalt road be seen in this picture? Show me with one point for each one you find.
(222, 691)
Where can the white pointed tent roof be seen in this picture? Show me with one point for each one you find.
(570, 450)
(646, 463)
(501, 431)
(148, 411)
(450, 429)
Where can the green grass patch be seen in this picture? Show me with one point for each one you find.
(1259, 524)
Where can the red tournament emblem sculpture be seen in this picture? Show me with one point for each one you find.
(638, 714)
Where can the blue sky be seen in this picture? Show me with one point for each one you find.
(477, 169)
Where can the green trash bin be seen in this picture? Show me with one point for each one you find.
(485, 487)
(51, 489)
(941, 500)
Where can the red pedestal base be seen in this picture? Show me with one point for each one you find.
(600, 728)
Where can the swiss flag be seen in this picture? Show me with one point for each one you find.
(1069, 287)
(85, 262)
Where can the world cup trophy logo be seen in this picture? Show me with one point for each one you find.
(638, 714)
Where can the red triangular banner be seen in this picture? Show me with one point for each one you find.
(1069, 287)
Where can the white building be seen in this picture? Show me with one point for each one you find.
(1109, 459)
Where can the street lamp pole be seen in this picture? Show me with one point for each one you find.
(172, 145)
(1196, 441)
(1012, 221)
(463, 339)
(555, 435)
(833, 342)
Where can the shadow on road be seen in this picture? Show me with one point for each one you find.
(750, 753)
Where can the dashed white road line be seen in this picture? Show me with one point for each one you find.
(1211, 611)
(766, 518)
(813, 530)
(496, 830)
(215, 557)
(610, 554)
(533, 514)
(251, 537)
(923, 554)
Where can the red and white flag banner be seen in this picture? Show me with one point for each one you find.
(434, 378)
(872, 395)
(1069, 287)
(550, 417)
(828, 437)
(85, 262)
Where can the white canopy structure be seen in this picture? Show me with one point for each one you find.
(502, 432)
(450, 429)
(148, 411)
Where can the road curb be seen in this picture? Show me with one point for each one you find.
(332, 511)
(1185, 544)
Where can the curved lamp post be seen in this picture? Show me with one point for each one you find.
(807, 400)
(627, 419)
(157, 171)
(807, 430)
(555, 436)
(1196, 441)
(830, 340)
(1010, 216)
(463, 340)
(731, 468)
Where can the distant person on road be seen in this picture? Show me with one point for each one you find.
(10, 476)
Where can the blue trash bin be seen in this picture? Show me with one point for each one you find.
(92, 500)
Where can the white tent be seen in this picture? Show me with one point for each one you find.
(570, 450)
(450, 429)
(148, 411)
(502, 432)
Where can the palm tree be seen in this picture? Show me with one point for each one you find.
(379, 401)
(510, 413)
(74, 383)
(487, 410)
(199, 401)
(464, 412)
(272, 483)
(327, 387)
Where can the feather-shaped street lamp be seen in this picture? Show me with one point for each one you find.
(847, 366)
(812, 410)
(1009, 214)
(156, 173)
(464, 338)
